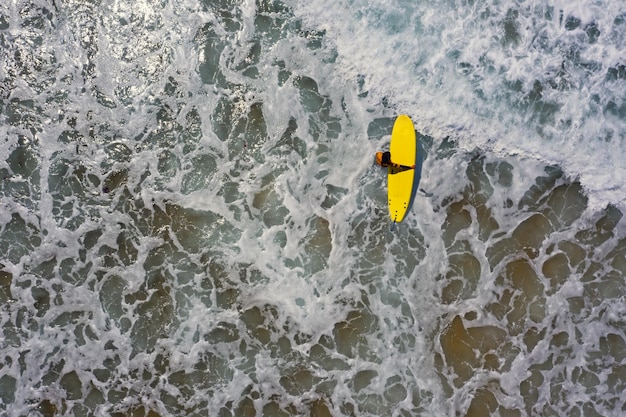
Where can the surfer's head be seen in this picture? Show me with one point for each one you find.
(379, 158)
(383, 159)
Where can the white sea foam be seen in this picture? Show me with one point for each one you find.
(454, 70)
(192, 223)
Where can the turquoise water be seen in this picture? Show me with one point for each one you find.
(192, 223)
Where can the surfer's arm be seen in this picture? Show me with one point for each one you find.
(403, 167)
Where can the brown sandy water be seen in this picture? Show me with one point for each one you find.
(512, 308)
(193, 226)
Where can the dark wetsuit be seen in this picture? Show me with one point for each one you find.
(386, 162)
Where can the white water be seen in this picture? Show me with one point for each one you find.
(192, 223)
(536, 80)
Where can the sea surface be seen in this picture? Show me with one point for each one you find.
(192, 223)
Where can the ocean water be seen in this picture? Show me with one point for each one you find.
(192, 224)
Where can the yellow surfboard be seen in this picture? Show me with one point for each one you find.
(402, 182)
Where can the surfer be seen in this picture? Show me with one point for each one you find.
(384, 160)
